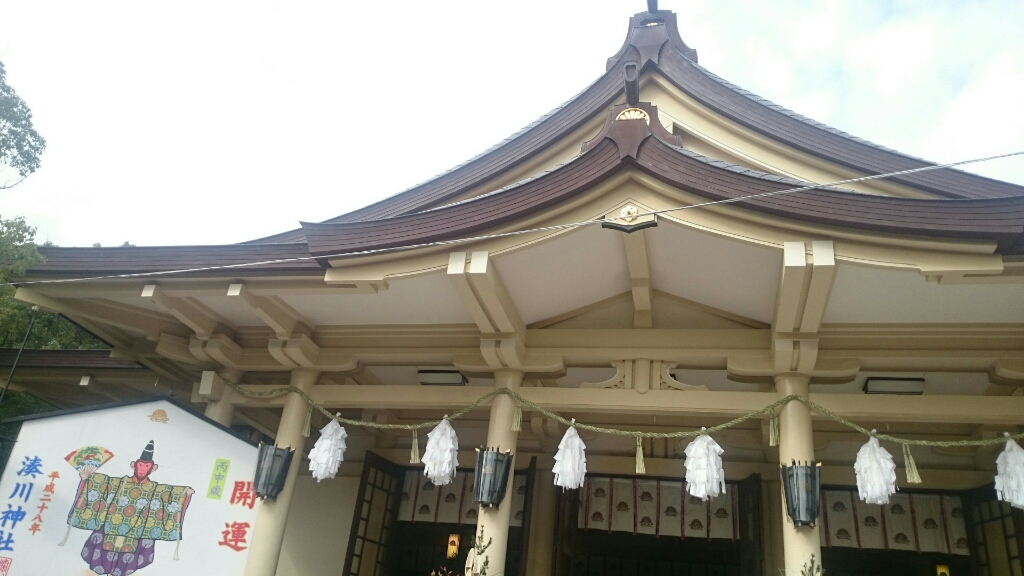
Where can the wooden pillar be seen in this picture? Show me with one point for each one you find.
(772, 519)
(268, 532)
(796, 442)
(222, 410)
(543, 517)
(494, 521)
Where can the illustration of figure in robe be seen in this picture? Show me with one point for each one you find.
(125, 515)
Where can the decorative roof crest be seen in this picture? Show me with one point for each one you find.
(648, 33)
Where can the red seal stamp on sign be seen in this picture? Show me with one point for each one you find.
(5, 565)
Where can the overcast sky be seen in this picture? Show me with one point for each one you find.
(218, 122)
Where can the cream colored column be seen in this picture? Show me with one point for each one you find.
(494, 521)
(222, 411)
(542, 523)
(268, 532)
(796, 442)
(772, 519)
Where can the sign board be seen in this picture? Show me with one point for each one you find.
(146, 488)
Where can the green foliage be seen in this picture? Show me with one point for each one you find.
(16, 404)
(20, 144)
(18, 253)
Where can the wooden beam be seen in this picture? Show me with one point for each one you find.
(493, 295)
(823, 275)
(459, 280)
(791, 285)
(1000, 411)
(184, 310)
(503, 333)
(803, 294)
(135, 320)
(635, 246)
(271, 310)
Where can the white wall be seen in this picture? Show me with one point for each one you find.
(186, 450)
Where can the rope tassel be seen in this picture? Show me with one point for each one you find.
(640, 469)
(908, 461)
(414, 454)
(517, 419)
(773, 428)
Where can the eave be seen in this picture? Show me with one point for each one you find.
(628, 144)
(273, 259)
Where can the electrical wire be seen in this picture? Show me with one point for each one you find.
(552, 228)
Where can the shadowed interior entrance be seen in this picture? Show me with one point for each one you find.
(407, 526)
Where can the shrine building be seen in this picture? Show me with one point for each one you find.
(665, 251)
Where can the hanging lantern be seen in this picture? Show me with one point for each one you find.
(1010, 474)
(271, 470)
(453, 545)
(802, 484)
(491, 477)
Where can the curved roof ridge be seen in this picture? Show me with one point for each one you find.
(696, 156)
(758, 173)
(956, 184)
(296, 235)
(796, 115)
(495, 147)
(672, 58)
(827, 128)
(504, 188)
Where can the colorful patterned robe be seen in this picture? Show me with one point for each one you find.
(122, 514)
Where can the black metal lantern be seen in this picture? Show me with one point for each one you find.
(271, 470)
(491, 479)
(802, 484)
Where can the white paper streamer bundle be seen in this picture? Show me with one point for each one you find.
(1010, 474)
(570, 460)
(705, 477)
(441, 457)
(328, 452)
(876, 473)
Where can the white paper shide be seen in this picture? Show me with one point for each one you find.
(876, 473)
(1010, 474)
(570, 461)
(441, 457)
(328, 452)
(705, 477)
